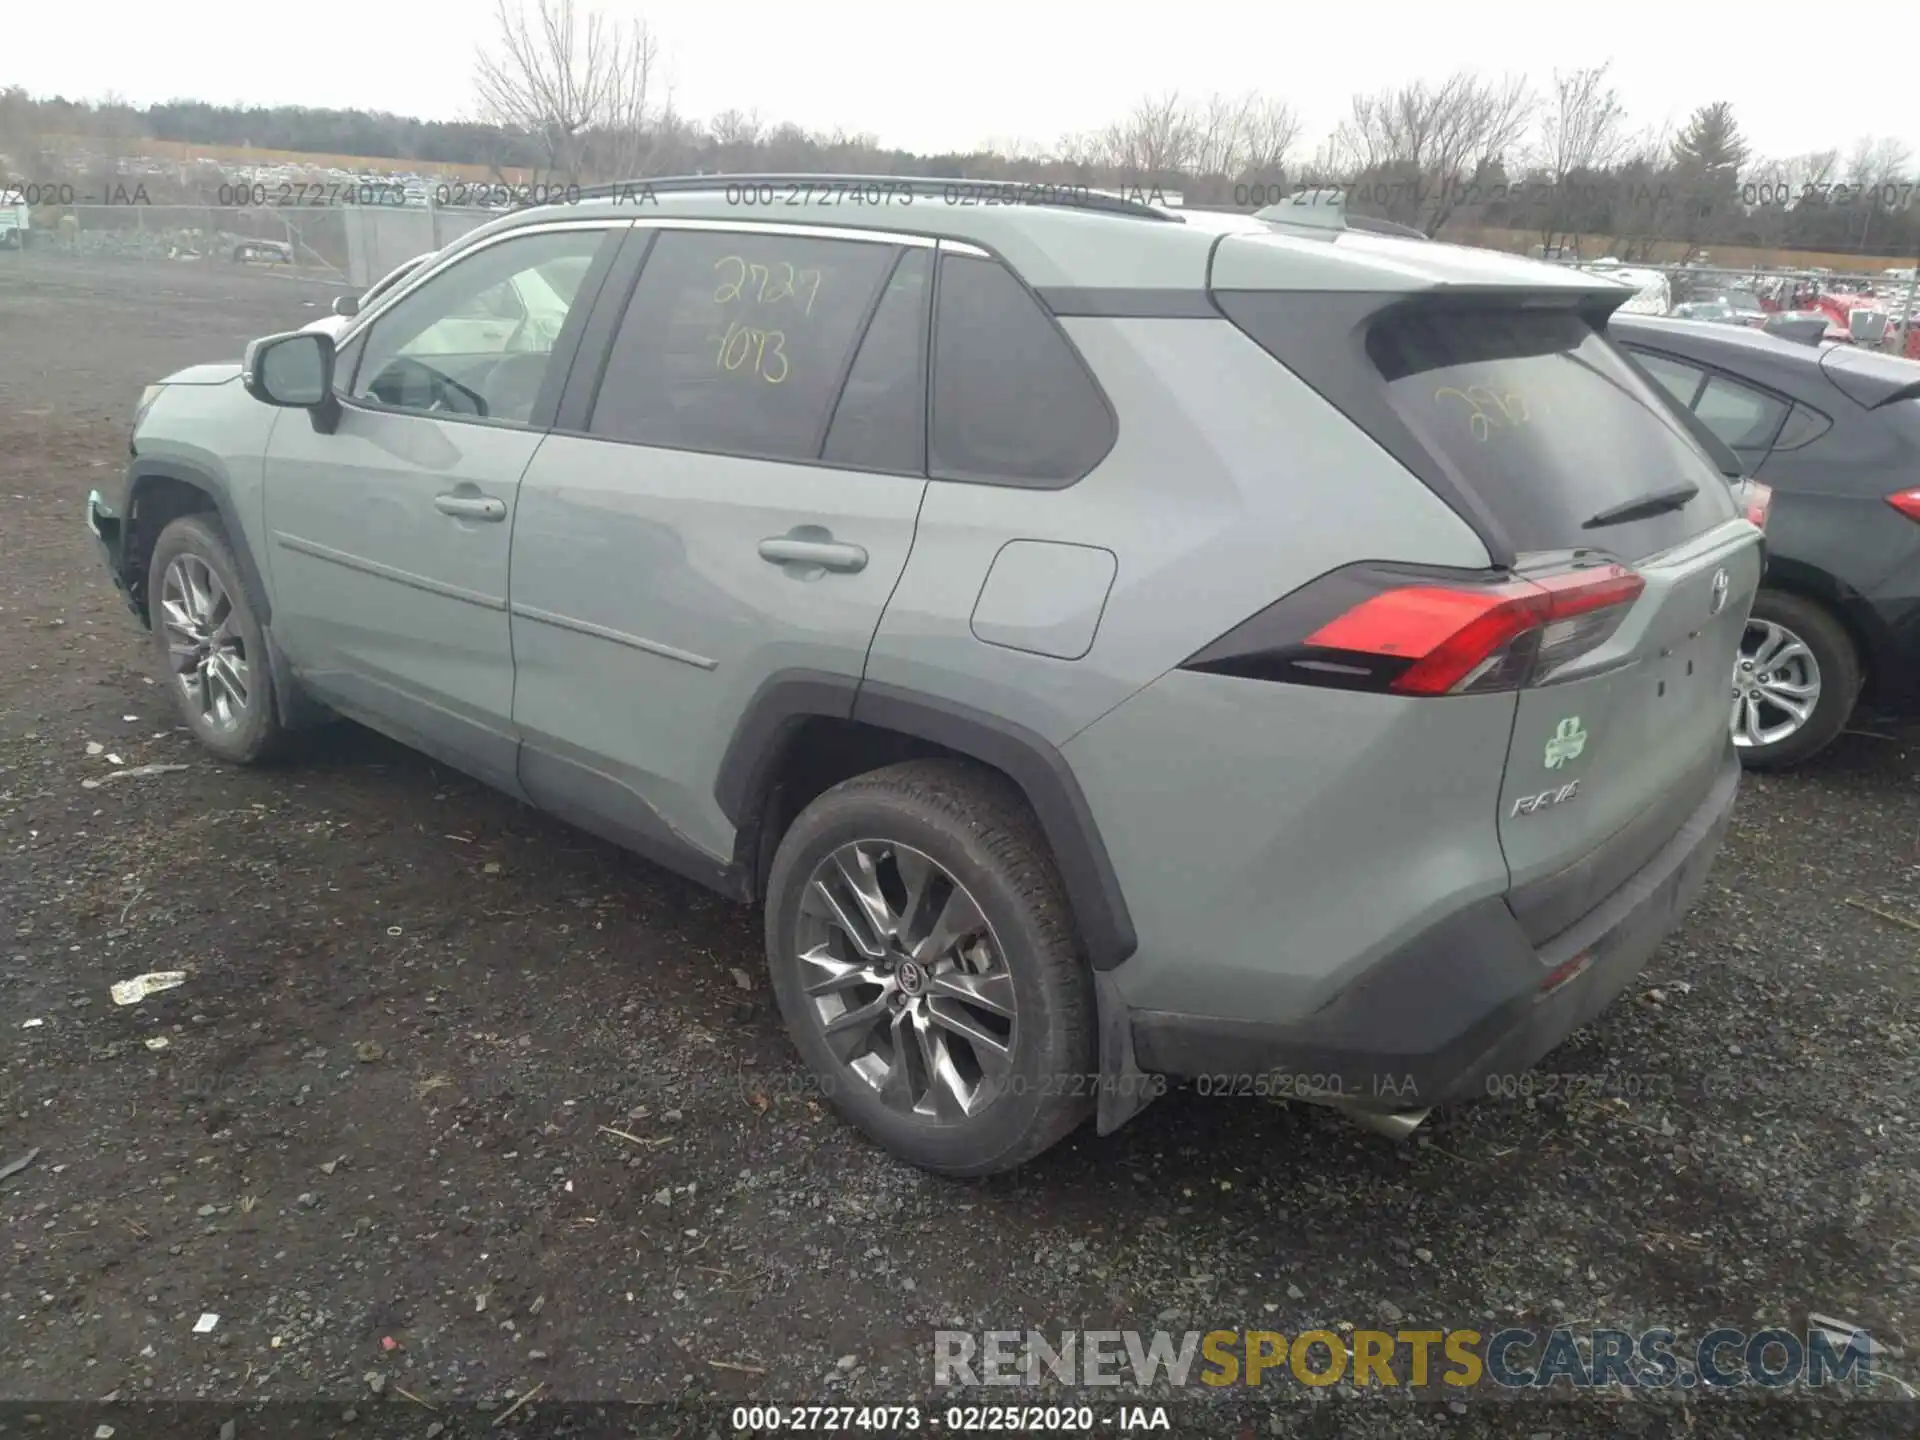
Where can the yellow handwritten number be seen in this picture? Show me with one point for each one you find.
(1489, 411)
(769, 284)
(767, 349)
(779, 340)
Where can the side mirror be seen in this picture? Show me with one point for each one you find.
(346, 306)
(295, 372)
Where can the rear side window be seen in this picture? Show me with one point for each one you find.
(1013, 403)
(1747, 419)
(1546, 425)
(1803, 427)
(738, 343)
(1680, 381)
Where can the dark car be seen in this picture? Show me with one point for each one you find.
(1835, 431)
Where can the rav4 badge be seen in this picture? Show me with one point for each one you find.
(1528, 804)
(1567, 742)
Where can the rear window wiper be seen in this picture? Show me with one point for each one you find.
(1658, 502)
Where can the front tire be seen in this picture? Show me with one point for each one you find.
(210, 644)
(1795, 682)
(924, 959)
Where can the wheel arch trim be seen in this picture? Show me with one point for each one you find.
(215, 489)
(1853, 612)
(787, 699)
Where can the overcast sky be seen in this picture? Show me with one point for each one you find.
(954, 75)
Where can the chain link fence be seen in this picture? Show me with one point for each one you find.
(350, 245)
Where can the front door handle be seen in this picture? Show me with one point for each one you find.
(827, 554)
(471, 507)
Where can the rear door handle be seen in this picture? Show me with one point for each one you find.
(471, 507)
(827, 554)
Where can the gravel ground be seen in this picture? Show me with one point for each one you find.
(447, 1073)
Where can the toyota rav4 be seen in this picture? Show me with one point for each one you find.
(1109, 643)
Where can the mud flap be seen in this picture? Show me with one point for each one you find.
(298, 710)
(1125, 1090)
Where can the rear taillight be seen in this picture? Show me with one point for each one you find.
(1756, 500)
(1372, 628)
(1907, 502)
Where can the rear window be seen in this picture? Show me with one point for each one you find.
(1534, 414)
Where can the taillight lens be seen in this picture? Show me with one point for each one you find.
(1389, 632)
(1756, 500)
(1907, 502)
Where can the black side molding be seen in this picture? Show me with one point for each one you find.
(1121, 303)
(788, 699)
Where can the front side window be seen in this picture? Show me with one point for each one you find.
(738, 342)
(476, 340)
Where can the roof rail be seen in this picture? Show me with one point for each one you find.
(1326, 209)
(956, 190)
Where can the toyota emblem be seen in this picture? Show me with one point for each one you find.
(1719, 601)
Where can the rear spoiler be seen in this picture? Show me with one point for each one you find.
(1870, 377)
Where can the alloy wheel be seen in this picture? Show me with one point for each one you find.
(1776, 685)
(204, 646)
(901, 970)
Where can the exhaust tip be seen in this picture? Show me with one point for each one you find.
(1395, 1125)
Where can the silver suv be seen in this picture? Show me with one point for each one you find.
(1111, 643)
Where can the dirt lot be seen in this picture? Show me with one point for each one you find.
(417, 1013)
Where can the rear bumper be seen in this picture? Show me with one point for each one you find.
(1892, 623)
(1468, 1002)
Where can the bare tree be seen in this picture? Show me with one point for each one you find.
(1269, 130)
(1016, 149)
(579, 86)
(1873, 165)
(736, 129)
(1434, 138)
(1772, 190)
(1238, 134)
(1639, 202)
(1584, 133)
(1158, 140)
(1216, 138)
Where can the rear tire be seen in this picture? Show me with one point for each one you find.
(1780, 622)
(948, 1013)
(212, 651)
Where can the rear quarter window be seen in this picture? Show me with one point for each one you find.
(1537, 416)
(1747, 419)
(1013, 403)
